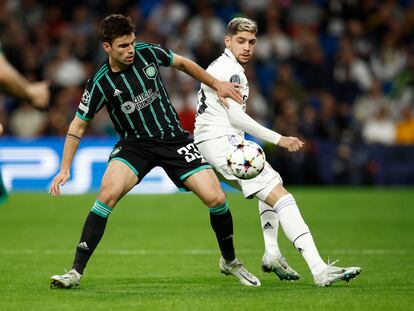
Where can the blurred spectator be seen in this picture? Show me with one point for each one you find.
(204, 24)
(404, 132)
(349, 69)
(273, 44)
(379, 128)
(368, 104)
(167, 15)
(389, 60)
(27, 122)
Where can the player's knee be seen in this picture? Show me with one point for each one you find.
(217, 199)
(108, 197)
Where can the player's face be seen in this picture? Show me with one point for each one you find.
(121, 52)
(242, 45)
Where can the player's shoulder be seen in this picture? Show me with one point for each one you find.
(224, 68)
(99, 73)
(141, 45)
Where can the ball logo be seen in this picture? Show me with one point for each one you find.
(86, 97)
(128, 107)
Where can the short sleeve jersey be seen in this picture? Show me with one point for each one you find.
(135, 98)
(212, 120)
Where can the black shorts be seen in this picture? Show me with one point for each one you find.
(178, 157)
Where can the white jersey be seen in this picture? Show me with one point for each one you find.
(212, 120)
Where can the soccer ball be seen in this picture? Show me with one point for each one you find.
(247, 160)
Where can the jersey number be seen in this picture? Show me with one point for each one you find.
(191, 152)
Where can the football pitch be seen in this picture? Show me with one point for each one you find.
(159, 253)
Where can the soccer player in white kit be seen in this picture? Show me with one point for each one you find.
(219, 128)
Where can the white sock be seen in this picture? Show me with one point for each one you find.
(270, 226)
(298, 232)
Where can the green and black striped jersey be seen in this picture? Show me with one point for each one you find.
(135, 98)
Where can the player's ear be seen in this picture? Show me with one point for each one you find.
(106, 46)
(227, 41)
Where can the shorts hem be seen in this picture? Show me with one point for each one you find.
(188, 174)
(126, 163)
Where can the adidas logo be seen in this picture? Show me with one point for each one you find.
(267, 225)
(117, 92)
(83, 245)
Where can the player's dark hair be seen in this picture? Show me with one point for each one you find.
(115, 26)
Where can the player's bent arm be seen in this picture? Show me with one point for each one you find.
(223, 89)
(242, 121)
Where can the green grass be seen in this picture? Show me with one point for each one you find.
(159, 253)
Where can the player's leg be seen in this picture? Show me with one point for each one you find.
(215, 151)
(206, 186)
(299, 234)
(273, 260)
(118, 179)
(3, 191)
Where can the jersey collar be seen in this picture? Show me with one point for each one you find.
(229, 54)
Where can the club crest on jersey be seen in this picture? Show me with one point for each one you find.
(150, 71)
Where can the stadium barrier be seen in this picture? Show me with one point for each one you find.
(30, 165)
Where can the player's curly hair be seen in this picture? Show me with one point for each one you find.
(239, 24)
(114, 26)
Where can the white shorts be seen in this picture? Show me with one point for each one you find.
(215, 152)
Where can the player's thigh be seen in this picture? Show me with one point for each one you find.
(206, 186)
(118, 179)
(215, 151)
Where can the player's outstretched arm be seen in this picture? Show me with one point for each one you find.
(292, 144)
(242, 121)
(224, 89)
(16, 85)
(76, 130)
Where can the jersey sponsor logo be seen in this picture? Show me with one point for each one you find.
(140, 102)
(150, 71)
(86, 97)
(235, 79)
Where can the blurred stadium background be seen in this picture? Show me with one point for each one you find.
(339, 74)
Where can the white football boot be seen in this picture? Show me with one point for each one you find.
(68, 280)
(279, 266)
(333, 274)
(237, 269)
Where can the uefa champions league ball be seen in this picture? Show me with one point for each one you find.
(247, 160)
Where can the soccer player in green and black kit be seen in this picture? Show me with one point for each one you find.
(130, 86)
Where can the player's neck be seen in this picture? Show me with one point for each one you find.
(117, 66)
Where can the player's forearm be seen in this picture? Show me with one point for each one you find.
(242, 121)
(12, 81)
(72, 141)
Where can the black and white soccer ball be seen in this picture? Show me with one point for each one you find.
(247, 160)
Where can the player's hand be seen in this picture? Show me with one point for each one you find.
(39, 94)
(1, 128)
(228, 89)
(59, 180)
(292, 144)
